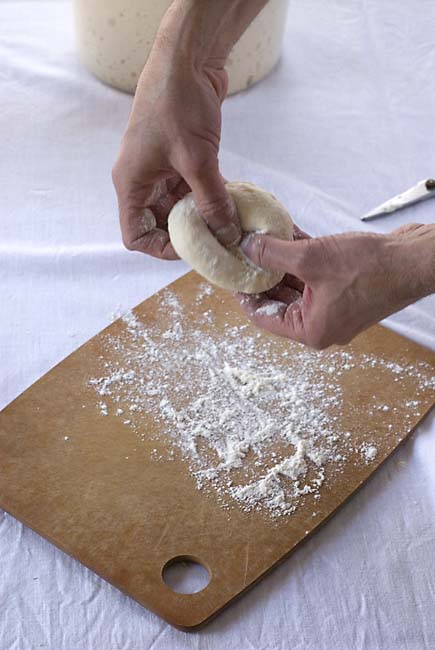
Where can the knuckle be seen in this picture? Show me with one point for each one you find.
(116, 174)
(128, 243)
(220, 206)
(127, 235)
(221, 216)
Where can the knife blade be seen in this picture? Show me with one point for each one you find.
(423, 190)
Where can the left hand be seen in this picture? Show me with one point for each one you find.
(171, 145)
(337, 286)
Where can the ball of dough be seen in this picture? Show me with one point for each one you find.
(229, 268)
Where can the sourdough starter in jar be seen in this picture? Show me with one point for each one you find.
(115, 36)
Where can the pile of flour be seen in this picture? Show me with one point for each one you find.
(257, 424)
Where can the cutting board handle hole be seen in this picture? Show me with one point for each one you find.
(185, 574)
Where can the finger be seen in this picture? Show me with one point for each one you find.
(169, 194)
(141, 227)
(275, 316)
(177, 187)
(156, 243)
(214, 203)
(284, 293)
(272, 253)
(293, 282)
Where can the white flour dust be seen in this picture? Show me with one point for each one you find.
(269, 309)
(252, 428)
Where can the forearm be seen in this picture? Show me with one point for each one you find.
(206, 30)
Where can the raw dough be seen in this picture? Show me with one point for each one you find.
(229, 268)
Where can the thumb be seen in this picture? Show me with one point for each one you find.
(283, 255)
(215, 204)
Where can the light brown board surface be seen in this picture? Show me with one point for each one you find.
(126, 520)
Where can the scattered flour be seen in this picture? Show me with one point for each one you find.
(130, 320)
(258, 425)
(103, 407)
(369, 452)
(269, 309)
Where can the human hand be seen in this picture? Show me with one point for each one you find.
(337, 286)
(171, 145)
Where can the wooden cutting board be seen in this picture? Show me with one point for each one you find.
(124, 502)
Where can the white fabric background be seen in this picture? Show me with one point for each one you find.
(345, 121)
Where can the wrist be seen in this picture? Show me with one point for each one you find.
(413, 260)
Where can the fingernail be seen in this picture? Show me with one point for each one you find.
(229, 235)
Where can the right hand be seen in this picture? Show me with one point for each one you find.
(337, 286)
(170, 148)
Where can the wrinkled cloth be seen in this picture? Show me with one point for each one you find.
(344, 122)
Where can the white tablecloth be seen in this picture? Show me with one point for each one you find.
(345, 121)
